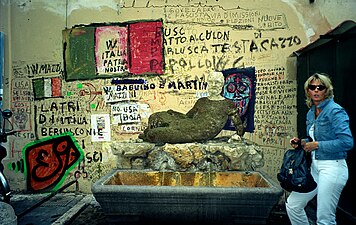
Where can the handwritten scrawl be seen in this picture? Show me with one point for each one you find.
(48, 161)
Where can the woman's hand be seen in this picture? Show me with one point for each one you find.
(310, 146)
(294, 142)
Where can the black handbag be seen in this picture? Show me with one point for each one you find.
(294, 174)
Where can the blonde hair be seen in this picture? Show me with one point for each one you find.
(324, 80)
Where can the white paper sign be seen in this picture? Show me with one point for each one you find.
(113, 94)
(100, 124)
(125, 113)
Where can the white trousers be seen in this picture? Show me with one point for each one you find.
(331, 177)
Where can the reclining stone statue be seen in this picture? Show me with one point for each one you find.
(201, 123)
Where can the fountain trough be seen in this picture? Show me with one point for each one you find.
(237, 197)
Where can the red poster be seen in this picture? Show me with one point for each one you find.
(146, 48)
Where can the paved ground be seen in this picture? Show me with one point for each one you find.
(82, 209)
(44, 209)
(77, 209)
(58, 209)
(93, 215)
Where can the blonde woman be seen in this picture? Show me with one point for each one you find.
(328, 125)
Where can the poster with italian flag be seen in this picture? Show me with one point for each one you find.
(47, 87)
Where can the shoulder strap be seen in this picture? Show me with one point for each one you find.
(308, 154)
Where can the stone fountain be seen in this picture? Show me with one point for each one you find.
(179, 172)
(212, 183)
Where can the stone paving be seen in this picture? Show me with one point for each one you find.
(77, 209)
(83, 209)
(39, 209)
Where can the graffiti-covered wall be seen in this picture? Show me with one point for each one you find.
(97, 70)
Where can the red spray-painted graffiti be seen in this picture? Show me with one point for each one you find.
(48, 161)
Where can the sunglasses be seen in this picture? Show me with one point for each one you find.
(319, 87)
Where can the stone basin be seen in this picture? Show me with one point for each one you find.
(144, 196)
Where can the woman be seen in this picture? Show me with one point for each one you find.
(328, 126)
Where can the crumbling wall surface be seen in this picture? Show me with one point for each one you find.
(50, 94)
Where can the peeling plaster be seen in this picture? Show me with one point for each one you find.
(61, 8)
(310, 32)
(92, 4)
(307, 27)
(310, 17)
(22, 4)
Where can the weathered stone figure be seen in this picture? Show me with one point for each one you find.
(203, 122)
